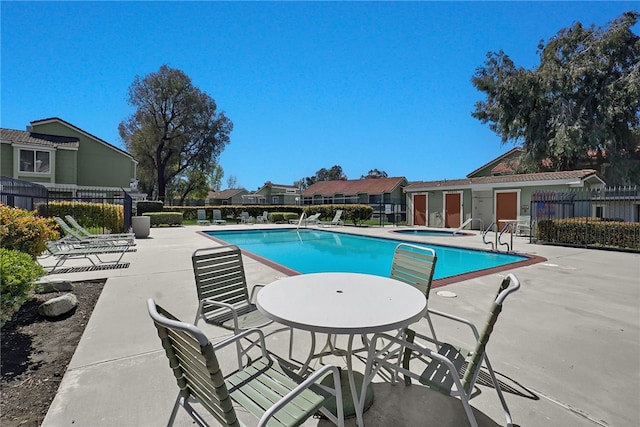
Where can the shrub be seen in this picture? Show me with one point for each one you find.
(164, 218)
(595, 232)
(25, 231)
(90, 215)
(144, 206)
(18, 275)
(282, 217)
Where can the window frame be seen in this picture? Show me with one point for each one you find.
(34, 152)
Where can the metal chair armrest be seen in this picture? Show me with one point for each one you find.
(314, 378)
(254, 292)
(219, 304)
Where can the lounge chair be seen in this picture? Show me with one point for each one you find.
(336, 221)
(265, 389)
(202, 218)
(64, 251)
(446, 368)
(223, 292)
(83, 231)
(74, 236)
(264, 218)
(313, 219)
(217, 217)
(245, 218)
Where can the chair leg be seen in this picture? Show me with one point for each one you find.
(174, 411)
(496, 385)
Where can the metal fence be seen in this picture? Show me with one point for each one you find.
(30, 196)
(601, 217)
(22, 194)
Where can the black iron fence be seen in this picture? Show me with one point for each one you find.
(602, 217)
(97, 208)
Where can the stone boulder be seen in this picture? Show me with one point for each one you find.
(58, 306)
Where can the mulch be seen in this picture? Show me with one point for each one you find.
(36, 352)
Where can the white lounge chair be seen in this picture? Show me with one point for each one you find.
(336, 221)
(264, 218)
(62, 251)
(217, 217)
(83, 231)
(202, 217)
(75, 237)
(245, 218)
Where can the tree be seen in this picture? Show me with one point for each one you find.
(191, 183)
(232, 182)
(374, 173)
(579, 108)
(215, 178)
(333, 174)
(176, 127)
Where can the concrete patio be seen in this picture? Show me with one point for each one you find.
(567, 345)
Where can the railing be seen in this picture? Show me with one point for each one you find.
(509, 228)
(467, 222)
(593, 218)
(484, 236)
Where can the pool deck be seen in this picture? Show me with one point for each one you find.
(567, 344)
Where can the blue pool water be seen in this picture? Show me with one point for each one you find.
(315, 251)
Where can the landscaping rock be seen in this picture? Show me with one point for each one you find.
(59, 286)
(58, 306)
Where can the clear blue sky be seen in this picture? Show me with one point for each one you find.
(308, 85)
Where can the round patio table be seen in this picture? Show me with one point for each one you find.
(342, 303)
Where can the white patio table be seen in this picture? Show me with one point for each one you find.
(342, 303)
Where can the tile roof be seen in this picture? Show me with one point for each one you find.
(524, 177)
(225, 194)
(354, 186)
(32, 138)
(499, 158)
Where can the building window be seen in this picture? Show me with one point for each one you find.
(34, 161)
(599, 211)
(275, 200)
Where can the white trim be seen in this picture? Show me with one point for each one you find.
(55, 146)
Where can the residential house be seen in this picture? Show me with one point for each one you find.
(385, 195)
(491, 193)
(230, 196)
(66, 160)
(273, 194)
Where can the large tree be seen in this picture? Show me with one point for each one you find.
(374, 174)
(579, 108)
(175, 130)
(334, 174)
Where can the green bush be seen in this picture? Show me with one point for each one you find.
(164, 218)
(282, 217)
(25, 231)
(109, 217)
(18, 273)
(144, 206)
(593, 232)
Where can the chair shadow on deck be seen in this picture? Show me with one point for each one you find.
(415, 405)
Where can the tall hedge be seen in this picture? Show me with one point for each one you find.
(89, 215)
(593, 232)
(354, 213)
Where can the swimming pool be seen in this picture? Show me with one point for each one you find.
(315, 251)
